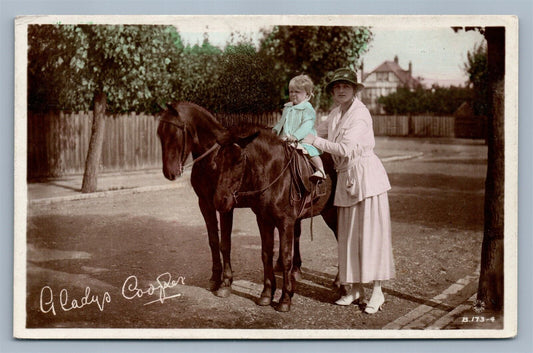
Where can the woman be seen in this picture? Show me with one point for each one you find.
(364, 229)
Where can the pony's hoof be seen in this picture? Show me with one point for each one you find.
(264, 301)
(297, 275)
(283, 307)
(223, 292)
(214, 285)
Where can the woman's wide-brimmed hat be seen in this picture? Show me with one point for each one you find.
(347, 76)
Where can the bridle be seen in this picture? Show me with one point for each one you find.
(183, 127)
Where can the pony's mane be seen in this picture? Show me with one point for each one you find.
(194, 106)
(266, 143)
(265, 133)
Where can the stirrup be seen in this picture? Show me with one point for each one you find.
(317, 176)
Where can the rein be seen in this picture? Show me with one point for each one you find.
(238, 193)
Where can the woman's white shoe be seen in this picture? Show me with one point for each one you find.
(375, 304)
(352, 296)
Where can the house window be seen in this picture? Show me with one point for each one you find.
(382, 76)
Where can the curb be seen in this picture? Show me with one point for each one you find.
(99, 194)
(431, 317)
(401, 158)
(179, 183)
(452, 315)
(139, 189)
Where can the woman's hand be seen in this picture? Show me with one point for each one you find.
(309, 139)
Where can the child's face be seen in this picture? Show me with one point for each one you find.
(297, 95)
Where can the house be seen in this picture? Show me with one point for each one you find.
(384, 80)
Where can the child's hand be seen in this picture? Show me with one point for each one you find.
(292, 139)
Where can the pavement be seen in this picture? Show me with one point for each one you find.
(69, 187)
(432, 315)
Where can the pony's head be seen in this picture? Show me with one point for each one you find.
(176, 141)
(231, 165)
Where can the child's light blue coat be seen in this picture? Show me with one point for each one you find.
(298, 121)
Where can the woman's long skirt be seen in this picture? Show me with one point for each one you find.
(364, 241)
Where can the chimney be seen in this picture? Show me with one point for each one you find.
(396, 59)
(410, 69)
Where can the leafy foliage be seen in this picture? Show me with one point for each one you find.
(69, 64)
(195, 73)
(235, 80)
(476, 67)
(437, 100)
(139, 67)
(245, 81)
(314, 50)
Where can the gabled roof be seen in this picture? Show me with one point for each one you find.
(403, 75)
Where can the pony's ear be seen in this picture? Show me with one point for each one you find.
(172, 107)
(244, 141)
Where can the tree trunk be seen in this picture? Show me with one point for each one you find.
(491, 285)
(92, 163)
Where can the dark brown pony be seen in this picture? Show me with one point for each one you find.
(254, 171)
(186, 128)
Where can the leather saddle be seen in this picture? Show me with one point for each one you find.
(302, 188)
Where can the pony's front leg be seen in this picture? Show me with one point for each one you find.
(267, 251)
(286, 238)
(211, 222)
(297, 260)
(226, 225)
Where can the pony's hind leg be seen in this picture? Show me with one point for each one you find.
(286, 238)
(210, 217)
(226, 224)
(329, 214)
(267, 250)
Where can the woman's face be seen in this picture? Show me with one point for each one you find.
(343, 93)
(297, 95)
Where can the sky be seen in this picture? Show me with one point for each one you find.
(437, 54)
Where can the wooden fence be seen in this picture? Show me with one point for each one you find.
(58, 142)
(419, 126)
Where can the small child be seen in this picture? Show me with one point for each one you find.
(298, 120)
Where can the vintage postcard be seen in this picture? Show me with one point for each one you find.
(266, 177)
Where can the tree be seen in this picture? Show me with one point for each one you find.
(196, 73)
(245, 82)
(235, 80)
(104, 67)
(490, 292)
(315, 51)
(490, 289)
(478, 78)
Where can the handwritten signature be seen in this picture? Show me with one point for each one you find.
(131, 290)
(47, 303)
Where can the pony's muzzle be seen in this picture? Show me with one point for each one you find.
(173, 173)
